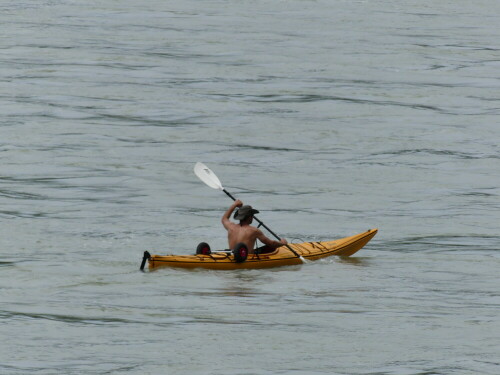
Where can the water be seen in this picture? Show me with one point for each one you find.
(331, 117)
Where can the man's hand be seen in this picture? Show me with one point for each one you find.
(227, 215)
(283, 241)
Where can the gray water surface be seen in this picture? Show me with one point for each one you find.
(330, 117)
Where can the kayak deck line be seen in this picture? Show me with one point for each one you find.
(369, 234)
(223, 260)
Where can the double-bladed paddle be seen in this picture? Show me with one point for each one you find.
(208, 177)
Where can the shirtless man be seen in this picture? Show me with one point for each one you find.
(244, 232)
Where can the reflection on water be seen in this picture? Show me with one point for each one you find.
(355, 261)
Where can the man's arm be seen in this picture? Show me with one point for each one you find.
(269, 242)
(227, 215)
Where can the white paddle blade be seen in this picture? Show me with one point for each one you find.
(207, 176)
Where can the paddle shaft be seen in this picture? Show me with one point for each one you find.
(264, 225)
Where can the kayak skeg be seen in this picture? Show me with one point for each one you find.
(282, 256)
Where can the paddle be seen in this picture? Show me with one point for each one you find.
(208, 177)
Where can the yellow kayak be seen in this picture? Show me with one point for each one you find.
(282, 256)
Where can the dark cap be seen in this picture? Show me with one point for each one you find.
(245, 212)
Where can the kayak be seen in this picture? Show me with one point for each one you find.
(282, 256)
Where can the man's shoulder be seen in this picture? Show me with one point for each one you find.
(255, 230)
(232, 225)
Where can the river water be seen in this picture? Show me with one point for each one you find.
(331, 117)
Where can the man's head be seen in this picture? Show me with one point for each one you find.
(245, 213)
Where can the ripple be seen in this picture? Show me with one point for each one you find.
(275, 98)
(64, 318)
(442, 243)
(457, 154)
(7, 264)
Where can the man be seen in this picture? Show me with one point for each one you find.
(244, 232)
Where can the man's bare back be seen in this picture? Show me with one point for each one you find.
(244, 232)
